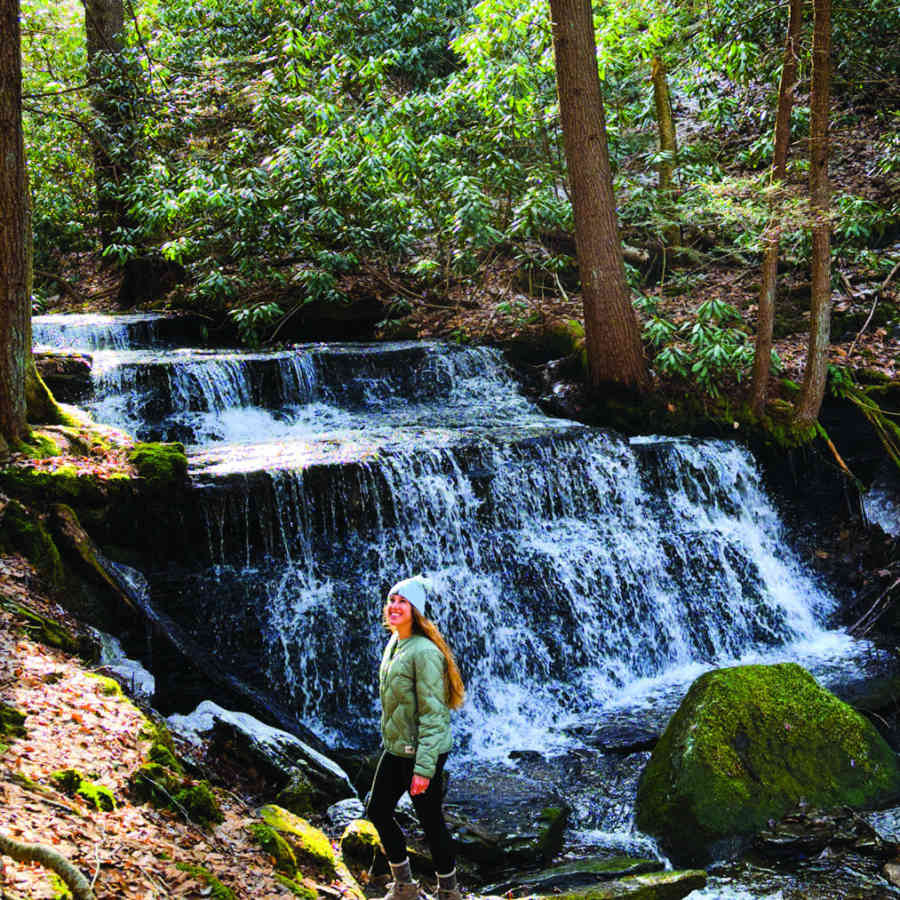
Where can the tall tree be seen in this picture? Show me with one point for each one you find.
(15, 313)
(766, 316)
(612, 335)
(668, 144)
(816, 370)
(104, 25)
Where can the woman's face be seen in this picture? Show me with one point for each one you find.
(399, 614)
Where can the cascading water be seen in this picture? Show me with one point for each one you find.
(580, 576)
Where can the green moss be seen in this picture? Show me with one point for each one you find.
(746, 745)
(217, 890)
(199, 802)
(109, 687)
(45, 630)
(40, 404)
(160, 753)
(297, 888)
(154, 784)
(23, 532)
(167, 789)
(159, 462)
(309, 844)
(12, 722)
(97, 796)
(73, 783)
(66, 780)
(299, 796)
(60, 888)
(551, 824)
(155, 730)
(276, 846)
(38, 446)
(360, 842)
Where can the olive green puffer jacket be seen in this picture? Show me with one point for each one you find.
(415, 718)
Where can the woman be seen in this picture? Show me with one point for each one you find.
(419, 684)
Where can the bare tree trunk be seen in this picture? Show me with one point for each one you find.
(766, 317)
(816, 371)
(104, 23)
(15, 312)
(668, 145)
(612, 336)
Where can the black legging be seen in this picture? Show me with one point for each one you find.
(392, 778)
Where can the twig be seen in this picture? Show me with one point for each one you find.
(887, 280)
(871, 613)
(67, 285)
(868, 318)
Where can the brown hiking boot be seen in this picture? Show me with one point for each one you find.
(403, 890)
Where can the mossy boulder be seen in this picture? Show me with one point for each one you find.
(655, 886)
(159, 462)
(747, 745)
(310, 845)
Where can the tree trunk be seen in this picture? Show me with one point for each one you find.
(668, 146)
(15, 312)
(766, 316)
(612, 335)
(104, 23)
(816, 371)
(51, 859)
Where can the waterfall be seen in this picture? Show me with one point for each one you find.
(575, 571)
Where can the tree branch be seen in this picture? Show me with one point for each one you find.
(49, 858)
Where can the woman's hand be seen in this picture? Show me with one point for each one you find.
(419, 785)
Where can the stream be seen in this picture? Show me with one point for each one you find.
(584, 579)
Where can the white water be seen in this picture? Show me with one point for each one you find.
(579, 576)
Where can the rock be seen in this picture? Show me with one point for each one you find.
(655, 886)
(892, 873)
(360, 844)
(582, 873)
(808, 832)
(67, 375)
(309, 844)
(341, 814)
(146, 278)
(537, 837)
(299, 772)
(747, 745)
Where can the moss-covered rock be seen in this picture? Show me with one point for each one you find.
(360, 844)
(655, 886)
(107, 686)
(310, 845)
(159, 462)
(73, 783)
(745, 746)
(276, 846)
(299, 796)
(22, 531)
(569, 876)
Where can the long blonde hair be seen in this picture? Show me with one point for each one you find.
(456, 690)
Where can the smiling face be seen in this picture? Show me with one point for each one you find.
(399, 615)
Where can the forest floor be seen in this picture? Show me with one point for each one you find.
(73, 721)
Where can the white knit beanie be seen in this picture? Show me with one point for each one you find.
(415, 590)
